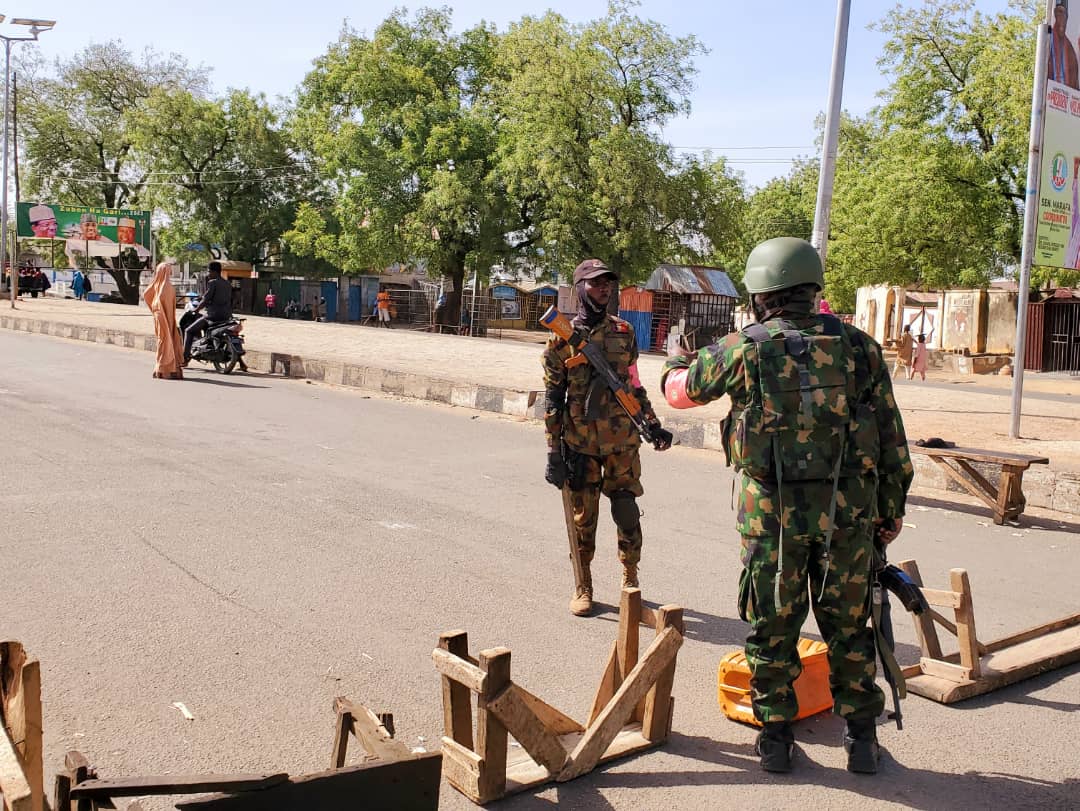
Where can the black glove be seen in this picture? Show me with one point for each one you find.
(556, 472)
(662, 438)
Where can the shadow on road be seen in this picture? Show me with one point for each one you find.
(228, 383)
(738, 766)
(1026, 521)
(700, 627)
(1021, 693)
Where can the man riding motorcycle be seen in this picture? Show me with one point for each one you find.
(217, 301)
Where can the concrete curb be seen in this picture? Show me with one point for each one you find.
(1052, 490)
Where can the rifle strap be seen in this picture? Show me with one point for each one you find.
(885, 651)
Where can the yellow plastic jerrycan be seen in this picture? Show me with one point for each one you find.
(811, 688)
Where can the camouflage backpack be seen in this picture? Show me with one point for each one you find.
(800, 414)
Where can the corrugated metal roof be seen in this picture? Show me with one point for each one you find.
(692, 280)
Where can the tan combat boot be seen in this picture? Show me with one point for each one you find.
(629, 576)
(582, 605)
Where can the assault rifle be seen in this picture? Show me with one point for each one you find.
(890, 578)
(561, 326)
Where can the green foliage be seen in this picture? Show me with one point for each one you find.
(77, 127)
(405, 133)
(582, 106)
(224, 172)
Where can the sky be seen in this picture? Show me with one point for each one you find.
(758, 90)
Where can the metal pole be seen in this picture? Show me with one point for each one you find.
(820, 237)
(475, 290)
(13, 287)
(1031, 213)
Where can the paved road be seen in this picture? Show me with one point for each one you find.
(253, 547)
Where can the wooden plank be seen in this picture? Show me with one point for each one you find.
(1029, 658)
(459, 670)
(628, 640)
(175, 784)
(951, 628)
(557, 721)
(648, 617)
(965, 622)
(521, 722)
(1033, 633)
(402, 785)
(62, 793)
(939, 597)
(987, 497)
(13, 783)
(527, 774)
(945, 670)
(656, 718)
(20, 687)
(79, 771)
(976, 476)
(371, 732)
(342, 729)
(456, 698)
(461, 767)
(490, 733)
(979, 455)
(639, 681)
(608, 684)
(924, 626)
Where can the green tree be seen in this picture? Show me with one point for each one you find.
(225, 173)
(583, 108)
(405, 131)
(78, 137)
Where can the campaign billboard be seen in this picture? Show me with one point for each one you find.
(1057, 233)
(89, 232)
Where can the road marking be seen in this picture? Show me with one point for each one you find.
(395, 525)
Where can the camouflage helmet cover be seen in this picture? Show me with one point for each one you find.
(783, 262)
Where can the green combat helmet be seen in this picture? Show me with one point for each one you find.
(780, 263)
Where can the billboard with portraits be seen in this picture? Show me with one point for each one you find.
(89, 232)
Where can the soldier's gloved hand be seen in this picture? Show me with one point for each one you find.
(888, 529)
(556, 472)
(663, 438)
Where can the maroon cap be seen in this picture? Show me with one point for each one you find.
(590, 269)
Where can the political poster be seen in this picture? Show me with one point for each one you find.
(89, 232)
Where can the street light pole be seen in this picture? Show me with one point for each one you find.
(36, 27)
(820, 236)
(13, 277)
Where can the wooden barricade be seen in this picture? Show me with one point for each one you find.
(977, 668)
(631, 711)
(390, 777)
(22, 772)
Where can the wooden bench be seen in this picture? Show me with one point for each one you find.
(1006, 500)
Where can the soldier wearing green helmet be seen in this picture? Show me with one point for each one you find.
(823, 463)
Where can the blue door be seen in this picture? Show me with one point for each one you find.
(354, 302)
(328, 291)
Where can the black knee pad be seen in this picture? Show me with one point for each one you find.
(624, 510)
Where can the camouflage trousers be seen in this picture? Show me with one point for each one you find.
(606, 474)
(841, 611)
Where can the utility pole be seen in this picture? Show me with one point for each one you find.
(1031, 214)
(820, 237)
(36, 27)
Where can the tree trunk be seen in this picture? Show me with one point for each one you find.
(450, 316)
(127, 283)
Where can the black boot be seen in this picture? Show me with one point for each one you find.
(776, 745)
(860, 743)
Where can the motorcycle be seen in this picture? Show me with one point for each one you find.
(221, 343)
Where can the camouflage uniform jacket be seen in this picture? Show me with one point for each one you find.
(602, 429)
(729, 367)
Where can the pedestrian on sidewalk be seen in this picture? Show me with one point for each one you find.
(382, 303)
(78, 285)
(592, 443)
(921, 358)
(903, 352)
(820, 473)
(271, 302)
(160, 297)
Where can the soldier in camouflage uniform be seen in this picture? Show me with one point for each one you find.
(592, 443)
(819, 443)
